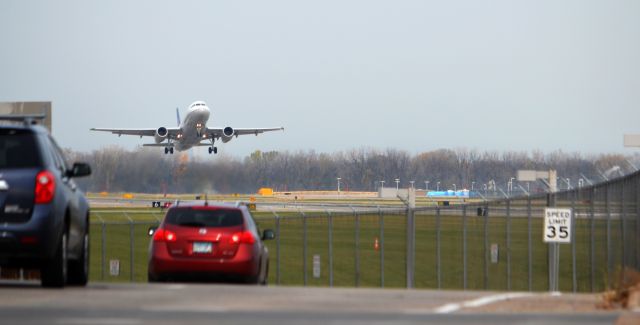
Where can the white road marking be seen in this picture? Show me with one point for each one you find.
(453, 307)
(201, 309)
(99, 321)
(174, 287)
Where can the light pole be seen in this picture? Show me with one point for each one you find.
(510, 185)
(568, 181)
(397, 184)
(338, 184)
(411, 182)
(438, 186)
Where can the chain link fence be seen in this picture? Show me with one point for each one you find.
(488, 245)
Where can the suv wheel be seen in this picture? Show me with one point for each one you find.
(54, 272)
(79, 270)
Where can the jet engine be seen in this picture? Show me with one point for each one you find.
(227, 134)
(161, 134)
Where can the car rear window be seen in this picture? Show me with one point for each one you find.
(18, 149)
(189, 217)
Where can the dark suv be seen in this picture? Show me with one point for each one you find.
(44, 217)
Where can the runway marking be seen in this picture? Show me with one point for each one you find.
(453, 307)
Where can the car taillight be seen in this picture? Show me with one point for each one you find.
(45, 187)
(164, 235)
(245, 237)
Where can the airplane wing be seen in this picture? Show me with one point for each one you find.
(219, 132)
(173, 132)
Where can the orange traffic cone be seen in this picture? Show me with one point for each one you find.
(376, 244)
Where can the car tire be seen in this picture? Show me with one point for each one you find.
(79, 269)
(154, 278)
(54, 272)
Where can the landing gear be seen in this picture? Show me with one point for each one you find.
(213, 148)
(168, 150)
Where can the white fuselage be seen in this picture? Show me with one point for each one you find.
(193, 126)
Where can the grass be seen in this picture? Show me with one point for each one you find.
(491, 276)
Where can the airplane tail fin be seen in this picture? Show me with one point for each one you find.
(178, 116)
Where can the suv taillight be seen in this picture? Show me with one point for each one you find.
(45, 187)
(245, 237)
(164, 235)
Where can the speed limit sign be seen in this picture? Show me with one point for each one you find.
(557, 225)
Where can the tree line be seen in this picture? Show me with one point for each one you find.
(149, 171)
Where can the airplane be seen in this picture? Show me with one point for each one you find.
(190, 132)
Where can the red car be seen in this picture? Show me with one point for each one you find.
(209, 242)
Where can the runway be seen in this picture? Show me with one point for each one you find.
(226, 304)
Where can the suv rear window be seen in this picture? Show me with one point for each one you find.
(18, 149)
(189, 217)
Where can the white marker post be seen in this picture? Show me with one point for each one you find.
(557, 230)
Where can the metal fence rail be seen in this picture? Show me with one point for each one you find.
(491, 245)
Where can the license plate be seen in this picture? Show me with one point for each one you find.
(202, 248)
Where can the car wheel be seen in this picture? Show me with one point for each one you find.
(154, 278)
(79, 270)
(54, 272)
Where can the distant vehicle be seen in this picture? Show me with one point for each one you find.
(450, 193)
(190, 132)
(209, 242)
(44, 217)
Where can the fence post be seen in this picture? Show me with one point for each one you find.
(131, 247)
(508, 245)
(277, 217)
(593, 239)
(530, 245)
(438, 257)
(607, 208)
(553, 250)
(464, 247)
(357, 246)
(622, 223)
(486, 247)
(410, 242)
(637, 248)
(103, 248)
(381, 221)
(304, 248)
(574, 277)
(330, 239)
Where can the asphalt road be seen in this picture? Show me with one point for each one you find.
(27, 303)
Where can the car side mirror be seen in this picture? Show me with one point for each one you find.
(151, 231)
(79, 170)
(268, 234)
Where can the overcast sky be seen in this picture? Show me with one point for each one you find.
(413, 75)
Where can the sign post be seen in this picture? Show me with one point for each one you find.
(557, 230)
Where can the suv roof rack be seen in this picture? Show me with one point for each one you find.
(25, 119)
